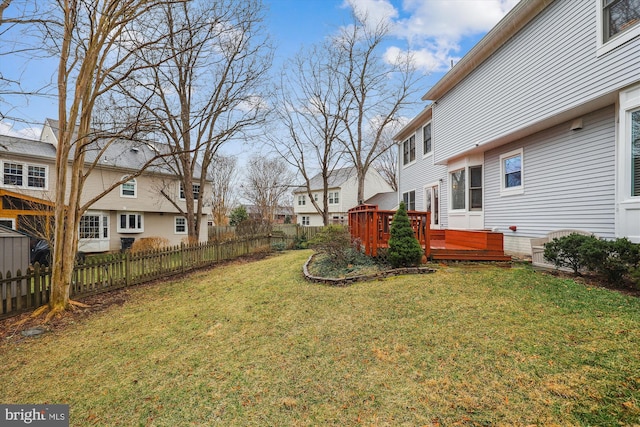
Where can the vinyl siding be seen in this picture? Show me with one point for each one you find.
(549, 67)
(568, 177)
(423, 171)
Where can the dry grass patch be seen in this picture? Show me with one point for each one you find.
(254, 344)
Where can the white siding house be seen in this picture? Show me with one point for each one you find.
(343, 195)
(537, 128)
(139, 208)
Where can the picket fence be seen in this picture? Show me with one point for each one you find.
(28, 290)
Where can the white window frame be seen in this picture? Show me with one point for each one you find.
(305, 220)
(408, 201)
(615, 41)
(465, 190)
(103, 227)
(334, 197)
(25, 175)
(427, 194)
(509, 191)
(430, 152)
(196, 193)
(131, 182)
(302, 200)
(127, 229)
(176, 219)
(407, 162)
(11, 220)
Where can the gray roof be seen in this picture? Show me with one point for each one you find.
(386, 201)
(336, 179)
(118, 153)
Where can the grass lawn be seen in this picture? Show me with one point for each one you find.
(253, 344)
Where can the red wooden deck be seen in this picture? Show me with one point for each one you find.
(371, 226)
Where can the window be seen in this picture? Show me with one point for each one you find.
(130, 223)
(334, 197)
(432, 202)
(128, 189)
(511, 167)
(8, 222)
(619, 16)
(94, 226)
(635, 153)
(409, 199)
(426, 139)
(195, 188)
(618, 22)
(305, 220)
(409, 150)
(475, 188)
(12, 174)
(458, 192)
(315, 197)
(302, 200)
(180, 225)
(36, 176)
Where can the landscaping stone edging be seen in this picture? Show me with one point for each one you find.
(345, 281)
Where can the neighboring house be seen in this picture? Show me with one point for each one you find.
(342, 192)
(537, 128)
(384, 201)
(281, 214)
(141, 207)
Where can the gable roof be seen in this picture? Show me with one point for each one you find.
(521, 14)
(336, 178)
(385, 201)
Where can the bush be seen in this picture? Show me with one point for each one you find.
(278, 246)
(238, 215)
(145, 244)
(567, 251)
(612, 259)
(300, 242)
(335, 241)
(404, 248)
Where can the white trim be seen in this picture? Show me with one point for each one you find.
(430, 153)
(414, 199)
(135, 189)
(25, 175)
(509, 191)
(427, 188)
(175, 225)
(617, 40)
(12, 220)
(100, 244)
(127, 229)
(415, 157)
(450, 190)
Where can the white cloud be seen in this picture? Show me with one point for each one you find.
(27, 133)
(433, 31)
(376, 11)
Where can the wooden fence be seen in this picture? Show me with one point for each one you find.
(289, 231)
(21, 292)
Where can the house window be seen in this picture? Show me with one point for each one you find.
(12, 174)
(195, 188)
(306, 220)
(8, 222)
(128, 189)
(458, 193)
(94, 226)
(130, 222)
(635, 153)
(511, 171)
(475, 188)
(302, 200)
(36, 176)
(619, 16)
(426, 139)
(409, 199)
(180, 225)
(315, 197)
(432, 202)
(334, 197)
(409, 150)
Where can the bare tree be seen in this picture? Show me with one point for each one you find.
(96, 43)
(267, 185)
(209, 92)
(312, 102)
(387, 166)
(223, 176)
(378, 92)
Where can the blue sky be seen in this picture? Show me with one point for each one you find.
(436, 31)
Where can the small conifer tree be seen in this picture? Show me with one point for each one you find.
(404, 248)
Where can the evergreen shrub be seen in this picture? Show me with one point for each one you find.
(404, 248)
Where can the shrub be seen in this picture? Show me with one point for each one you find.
(278, 246)
(238, 215)
(300, 242)
(145, 244)
(566, 251)
(404, 248)
(335, 241)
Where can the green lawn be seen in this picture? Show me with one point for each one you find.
(253, 344)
